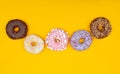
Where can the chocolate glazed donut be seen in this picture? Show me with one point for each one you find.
(16, 29)
(100, 27)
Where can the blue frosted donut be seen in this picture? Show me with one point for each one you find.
(81, 35)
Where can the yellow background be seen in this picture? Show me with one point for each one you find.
(103, 57)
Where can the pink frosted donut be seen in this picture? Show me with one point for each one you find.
(57, 39)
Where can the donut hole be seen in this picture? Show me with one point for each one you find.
(100, 27)
(82, 40)
(16, 29)
(57, 40)
(33, 43)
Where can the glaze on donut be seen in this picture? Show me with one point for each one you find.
(33, 44)
(57, 39)
(21, 27)
(77, 36)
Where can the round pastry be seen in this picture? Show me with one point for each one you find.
(81, 40)
(57, 39)
(33, 44)
(100, 27)
(16, 29)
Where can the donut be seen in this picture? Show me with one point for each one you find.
(81, 40)
(100, 27)
(57, 39)
(33, 44)
(16, 29)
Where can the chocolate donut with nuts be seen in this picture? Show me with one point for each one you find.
(100, 27)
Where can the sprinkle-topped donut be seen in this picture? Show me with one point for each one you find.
(100, 27)
(81, 40)
(57, 39)
(33, 44)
